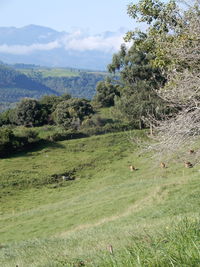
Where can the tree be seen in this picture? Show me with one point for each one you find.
(183, 87)
(70, 113)
(29, 113)
(106, 92)
(49, 104)
(139, 79)
(175, 34)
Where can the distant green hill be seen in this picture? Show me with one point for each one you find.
(15, 85)
(27, 80)
(77, 82)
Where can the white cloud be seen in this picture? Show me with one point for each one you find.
(99, 42)
(76, 41)
(27, 49)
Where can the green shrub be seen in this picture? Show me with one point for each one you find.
(11, 142)
(67, 135)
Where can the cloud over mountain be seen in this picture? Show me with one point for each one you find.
(73, 41)
(27, 49)
(42, 42)
(78, 41)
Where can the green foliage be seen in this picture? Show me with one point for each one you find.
(51, 101)
(161, 15)
(5, 117)
(10, 142)
(7, 140)
(15, 85)
(49, 104)
(28, 113)
(141, 66)
(79, 86)
(140, 80)
(70, 113)
(106, 92)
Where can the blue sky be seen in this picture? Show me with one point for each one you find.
(94, 16)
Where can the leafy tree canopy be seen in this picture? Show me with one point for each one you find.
(70, 113)
(106, 92)
(28, 113)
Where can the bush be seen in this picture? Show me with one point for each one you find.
(11, 143)
(72, 112)
(67, 135)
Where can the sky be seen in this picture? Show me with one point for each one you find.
(94, 16)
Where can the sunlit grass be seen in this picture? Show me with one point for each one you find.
(64, 223)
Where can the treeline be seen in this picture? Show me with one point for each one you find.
(70, 117)
(48, 110)
(142, 93)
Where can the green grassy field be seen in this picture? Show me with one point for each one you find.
(52, 72)
(59, 72)
(149, 216)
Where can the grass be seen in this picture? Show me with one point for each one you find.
(58, 72)
(149, 216)
(52, 72)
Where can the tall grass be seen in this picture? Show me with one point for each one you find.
(177, 245)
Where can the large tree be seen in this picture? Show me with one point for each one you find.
(106, 93)
(174, 33)
(28, 113)
(139, 80)
(71, 113)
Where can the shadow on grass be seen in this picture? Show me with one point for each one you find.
(34, 147)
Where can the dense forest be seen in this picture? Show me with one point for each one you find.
(22, 80)
(78, 86)
(15, 85)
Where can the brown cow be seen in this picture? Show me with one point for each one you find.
(188, 164)
(132, 168)
(191, 151)
(162, 165)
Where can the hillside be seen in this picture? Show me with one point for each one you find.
(15, 85)
(22, 80)
(148, 216)
(77, 82)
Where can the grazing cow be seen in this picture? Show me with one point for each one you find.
(162, 165)
(132, 168)
(188, 164)
(110, 249)
(191, 151)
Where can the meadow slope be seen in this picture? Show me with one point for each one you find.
(45, 221)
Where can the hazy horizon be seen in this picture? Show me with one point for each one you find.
(91, 16)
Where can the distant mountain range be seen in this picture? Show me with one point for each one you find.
(47, 47)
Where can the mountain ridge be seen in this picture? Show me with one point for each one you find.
(40, 45)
